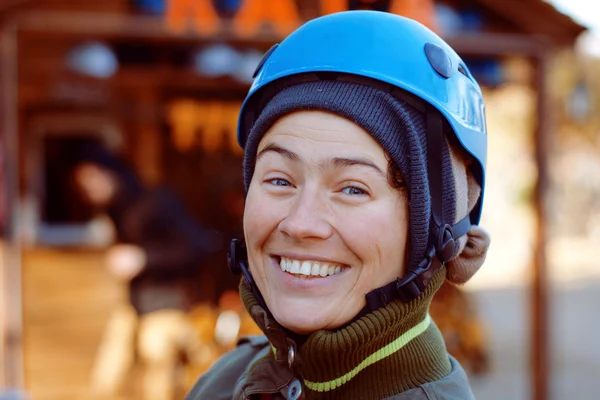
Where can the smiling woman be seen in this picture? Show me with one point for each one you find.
(364, 184)
(310, 207)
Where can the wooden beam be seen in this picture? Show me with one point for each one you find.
(540, 334)
(89, 25)
(498, 44)
(9, 5)
(558, 27)
(538, 51)
(12, 331)
(85, 25)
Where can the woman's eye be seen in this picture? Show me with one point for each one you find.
(279, 182)
(353, 190)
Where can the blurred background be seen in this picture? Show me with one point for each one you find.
(118, 153)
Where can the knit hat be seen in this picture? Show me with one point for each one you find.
(399, 129)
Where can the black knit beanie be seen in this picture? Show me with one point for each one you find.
(398, 127)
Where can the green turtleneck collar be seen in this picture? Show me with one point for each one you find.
(385, 352)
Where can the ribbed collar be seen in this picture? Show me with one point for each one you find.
(385, 352)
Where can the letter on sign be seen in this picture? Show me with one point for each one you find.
(281, 14)
(181, 12)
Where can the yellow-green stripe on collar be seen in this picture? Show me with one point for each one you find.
(379, 355)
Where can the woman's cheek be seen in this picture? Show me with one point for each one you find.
(261, 218)
(358, 234)
(372, 234)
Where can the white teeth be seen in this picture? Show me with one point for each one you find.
(307, 268)
(324, 269)
(315, 269)
(295, 268)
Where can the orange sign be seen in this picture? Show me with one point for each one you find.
(282, 15)
(419, 10)
(206, 124)
(201, 12)
(253, 14)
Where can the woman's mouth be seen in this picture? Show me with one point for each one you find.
(310, 269)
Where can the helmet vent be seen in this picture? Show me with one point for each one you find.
(462, 70)
(439, 60)
(264, 59)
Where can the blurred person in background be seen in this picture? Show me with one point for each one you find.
(158, 253)
(364, 192)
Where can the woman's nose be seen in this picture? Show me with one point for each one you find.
(307, 218)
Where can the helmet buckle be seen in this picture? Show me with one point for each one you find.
(446, 245)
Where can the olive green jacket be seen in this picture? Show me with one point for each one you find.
(226, 379)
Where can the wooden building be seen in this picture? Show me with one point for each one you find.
(161, 84)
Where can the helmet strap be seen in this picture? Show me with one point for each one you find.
(237, 258)
(443, 235)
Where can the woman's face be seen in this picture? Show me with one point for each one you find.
(323, 226)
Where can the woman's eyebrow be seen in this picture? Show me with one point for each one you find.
(341, 162)
(338, 162)
(279, 150)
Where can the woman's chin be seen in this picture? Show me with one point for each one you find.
(298, 325)
(306, 318)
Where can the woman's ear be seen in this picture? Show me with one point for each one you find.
(472, 247)
(472, 252)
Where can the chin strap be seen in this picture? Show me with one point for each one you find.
(415, 281)
(237, 258)
(443, 236)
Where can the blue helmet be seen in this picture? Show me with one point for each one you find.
(401, 57)
(386, 49)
